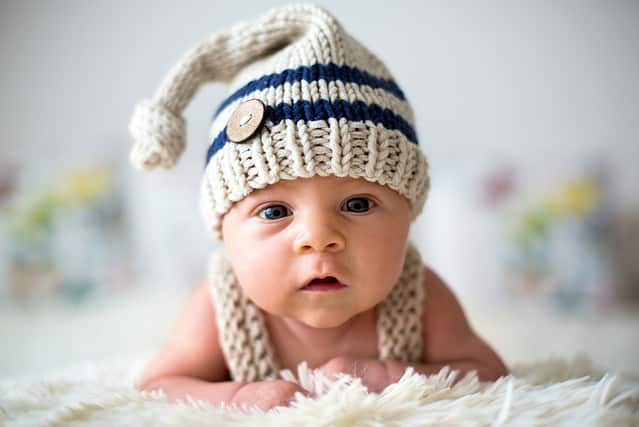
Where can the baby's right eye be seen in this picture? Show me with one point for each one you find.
(274, 212)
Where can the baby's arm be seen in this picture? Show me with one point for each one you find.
(192, 363)
(448, 341)
(448, 338)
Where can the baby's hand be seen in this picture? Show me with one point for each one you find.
(372, 372)
(267, 394)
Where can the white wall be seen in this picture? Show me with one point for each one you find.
(540, 84)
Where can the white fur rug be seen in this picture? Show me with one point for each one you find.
(554, 392)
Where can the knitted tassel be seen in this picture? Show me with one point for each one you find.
(159, 136)
(157, 125)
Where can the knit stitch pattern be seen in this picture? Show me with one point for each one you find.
(242, 331)
(289, 151)
(249, 353)
(332, 108)
(399, 326)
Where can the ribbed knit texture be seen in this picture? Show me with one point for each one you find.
(332, 108)
(249, 353)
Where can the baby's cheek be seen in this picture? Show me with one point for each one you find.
(262, 284)
(251, 261)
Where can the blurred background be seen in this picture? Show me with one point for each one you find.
(527, 111)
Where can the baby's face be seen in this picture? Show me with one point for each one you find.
(280, 237)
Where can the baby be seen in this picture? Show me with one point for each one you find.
(313, 177)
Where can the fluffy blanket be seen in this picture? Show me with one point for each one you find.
(553, 392)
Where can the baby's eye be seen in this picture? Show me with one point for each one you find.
(358, 205)
(274, 212)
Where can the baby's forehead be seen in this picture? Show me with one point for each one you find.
(318, 182)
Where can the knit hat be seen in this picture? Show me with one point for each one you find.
(305, 99)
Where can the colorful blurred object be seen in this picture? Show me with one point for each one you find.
(77, 188)
(498, 186)
(574, 198)
(83, 186)
(66, 239)
(562, 245)
(8, 174)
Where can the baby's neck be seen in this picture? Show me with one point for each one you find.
(321, 337)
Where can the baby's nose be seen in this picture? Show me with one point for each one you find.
(319, 234)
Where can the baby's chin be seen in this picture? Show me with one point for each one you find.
(326, 319)
(325, 323)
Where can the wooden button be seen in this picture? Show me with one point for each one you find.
(246, 120)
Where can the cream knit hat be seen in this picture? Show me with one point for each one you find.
(305, 99)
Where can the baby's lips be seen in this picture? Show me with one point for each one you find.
(323, 279)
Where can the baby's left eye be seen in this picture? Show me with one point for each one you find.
(275, 212)
(358, 205)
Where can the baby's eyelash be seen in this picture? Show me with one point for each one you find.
(280, 211)
(355, 203)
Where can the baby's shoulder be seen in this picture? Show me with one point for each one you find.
(197, 316)
(193, 348)
(442, 313)
(430, 276)
(433, 281)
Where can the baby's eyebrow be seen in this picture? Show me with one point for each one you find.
(285, 192)
(361, 187)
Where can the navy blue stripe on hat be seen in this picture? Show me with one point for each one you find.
(328, 72)
(323, 110)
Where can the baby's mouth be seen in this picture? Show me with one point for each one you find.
(328, 283)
